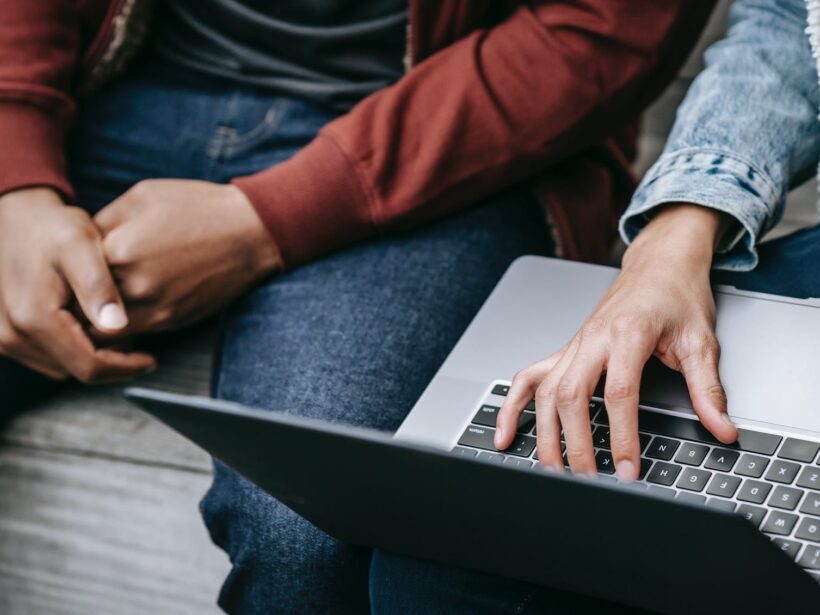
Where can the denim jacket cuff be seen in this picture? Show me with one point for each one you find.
(716, 180)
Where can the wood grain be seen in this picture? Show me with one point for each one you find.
(85, 535)
(97, 421)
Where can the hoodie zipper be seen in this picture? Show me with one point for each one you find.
(410, 46)
(104, 37)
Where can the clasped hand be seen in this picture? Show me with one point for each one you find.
(75, 290)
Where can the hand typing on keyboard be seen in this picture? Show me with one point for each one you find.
(661, 304)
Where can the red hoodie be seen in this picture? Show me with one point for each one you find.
(497, 92)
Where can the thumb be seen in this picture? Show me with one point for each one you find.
(87, 273)
(700, 369)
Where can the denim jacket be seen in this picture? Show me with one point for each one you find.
(746, 132)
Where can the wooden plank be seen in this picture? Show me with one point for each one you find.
(85, 535)
(98, 421)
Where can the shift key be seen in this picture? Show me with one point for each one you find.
(478, 437)
(482, 437)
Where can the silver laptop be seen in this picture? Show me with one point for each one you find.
(770, 367)
(438, 489)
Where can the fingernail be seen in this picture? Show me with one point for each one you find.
(625, 471)
(112, 317)
(499, 437)
(727, 419)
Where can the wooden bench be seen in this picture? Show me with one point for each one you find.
(98, 502)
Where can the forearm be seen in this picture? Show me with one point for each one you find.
(476, 117)
(746, 132)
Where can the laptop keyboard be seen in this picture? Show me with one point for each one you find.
(772, 481)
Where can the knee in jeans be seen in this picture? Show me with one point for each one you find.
(281, 562)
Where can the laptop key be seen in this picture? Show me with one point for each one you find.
(690, 429)
(691, 498)
(478, 437)
(501, 389)
(600, 437)
(752, 514)
(526, 423)
(661, 491)
(720, 504)
(594, 406)
(693, 479)
(789, 547)
(811, 505)
(522, 446)
(517, 462)
(644, 439)
(464, 452)
(782, 471)
(785, 497)
(798, 450)
(721, 459)
(491, 457)
(810, 558)
(754, 491)
(723, 485)
(809, 529)
(751, 465)
(663, 473)
(691, 454)
(809, 478)
(780, 523)
(488, 415)
(603, 460)
(662, 448)
(645, 465)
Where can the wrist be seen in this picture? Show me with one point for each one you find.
(23, 196)
(37, 202)
(680, 234)
(263, 255)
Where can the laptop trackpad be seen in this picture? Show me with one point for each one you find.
(770, 364)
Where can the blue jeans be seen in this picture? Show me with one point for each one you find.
(353, 338)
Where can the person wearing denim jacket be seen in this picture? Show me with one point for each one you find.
(746, 133)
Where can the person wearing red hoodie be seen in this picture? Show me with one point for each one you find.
(344, 181)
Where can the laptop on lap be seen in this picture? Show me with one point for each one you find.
(708, 528)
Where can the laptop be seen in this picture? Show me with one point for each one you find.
(708, 528)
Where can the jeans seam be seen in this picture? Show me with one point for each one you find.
(227, 144)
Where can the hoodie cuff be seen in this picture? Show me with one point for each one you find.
(32, 150)
(312, 203)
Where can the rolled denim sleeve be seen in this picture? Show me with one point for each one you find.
(746, 131)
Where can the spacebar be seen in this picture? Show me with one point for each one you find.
(689, 429)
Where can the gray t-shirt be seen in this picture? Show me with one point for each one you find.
(332, 52)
